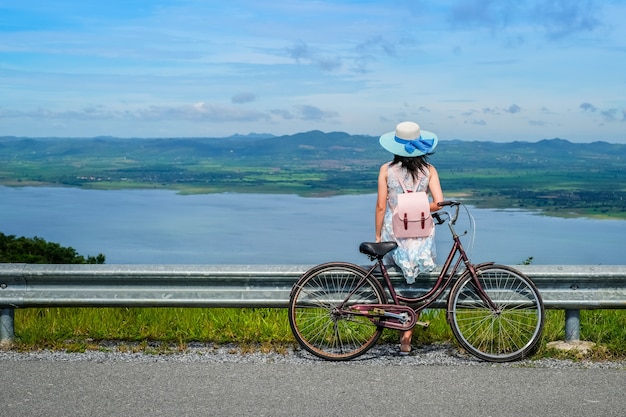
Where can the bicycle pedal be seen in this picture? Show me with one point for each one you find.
(424, 324)
(377, 312)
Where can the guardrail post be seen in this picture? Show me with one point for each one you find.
(7, 334)
(572, 325)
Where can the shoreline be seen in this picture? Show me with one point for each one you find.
(498, 203)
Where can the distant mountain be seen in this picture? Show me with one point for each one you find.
(252, 136)
(315, 145)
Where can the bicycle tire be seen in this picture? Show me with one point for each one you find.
(314, 321)
(510, 333)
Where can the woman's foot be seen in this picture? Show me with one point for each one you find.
(405, 342)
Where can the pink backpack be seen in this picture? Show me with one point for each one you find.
(411, 217)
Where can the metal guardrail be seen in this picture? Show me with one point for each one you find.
(564, 287)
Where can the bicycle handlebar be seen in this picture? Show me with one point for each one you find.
(448, 203)
(445, 203)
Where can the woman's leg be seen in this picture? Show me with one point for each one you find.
(405, 341)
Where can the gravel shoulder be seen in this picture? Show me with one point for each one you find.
(380, 355)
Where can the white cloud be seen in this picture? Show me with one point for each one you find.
(475, 69)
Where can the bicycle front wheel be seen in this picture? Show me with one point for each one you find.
(319, 326)
(509, 332)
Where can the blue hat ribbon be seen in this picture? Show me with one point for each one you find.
(421, 144)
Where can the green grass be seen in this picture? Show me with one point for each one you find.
(47, 327)
(78, 329)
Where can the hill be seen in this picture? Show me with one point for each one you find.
(553, 174)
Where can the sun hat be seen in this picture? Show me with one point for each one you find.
(409, 140)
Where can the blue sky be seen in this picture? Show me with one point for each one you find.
(498, 70)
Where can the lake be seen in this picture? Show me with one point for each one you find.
(163, 227)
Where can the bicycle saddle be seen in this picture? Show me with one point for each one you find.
(377, 250)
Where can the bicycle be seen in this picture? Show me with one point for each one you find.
(338, 310)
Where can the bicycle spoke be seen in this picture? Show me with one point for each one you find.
(320, 325)
(510, 331)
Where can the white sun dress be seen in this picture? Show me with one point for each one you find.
(413, 255)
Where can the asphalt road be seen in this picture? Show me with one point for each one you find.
(87, 388)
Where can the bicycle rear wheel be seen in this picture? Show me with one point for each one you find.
(316, 322)
(509, 333)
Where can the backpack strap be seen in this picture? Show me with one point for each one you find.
(404, 189)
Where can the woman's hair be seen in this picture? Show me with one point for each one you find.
(413, 164)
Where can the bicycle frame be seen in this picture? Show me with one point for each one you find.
(408, 315)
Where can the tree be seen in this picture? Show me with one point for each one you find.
(37, 251)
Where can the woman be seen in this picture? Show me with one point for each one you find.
(410, 146)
